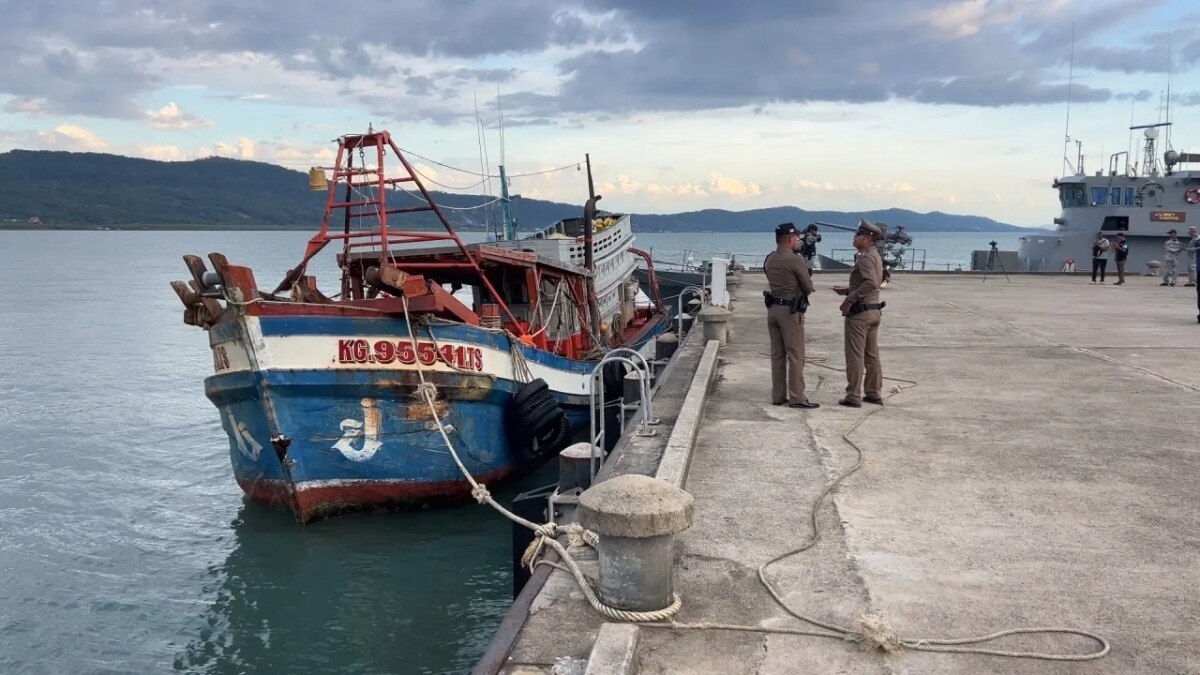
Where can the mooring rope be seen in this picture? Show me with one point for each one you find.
(874, 633)
(546, 533)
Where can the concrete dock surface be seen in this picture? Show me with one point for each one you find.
(1044, 471)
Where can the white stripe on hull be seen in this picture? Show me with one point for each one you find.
(319, 352)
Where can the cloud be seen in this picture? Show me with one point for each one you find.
(1003, 90)
(166, 153)
(810, 186)
(171, 117)
(722, 184)
(69, 81)
(242, 148)
(496, 75)
(71, 137)
(749, 55)
(628, 186)
(565, 62)
(29, 106)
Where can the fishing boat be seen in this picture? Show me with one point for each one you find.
(326, 396)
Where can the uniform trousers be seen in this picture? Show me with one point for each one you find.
(863, 367)
(787, 354)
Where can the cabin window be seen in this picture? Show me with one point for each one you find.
(1128, 196)
(1071, 196)
(1099, 196)
(1114, 197)
(1115, 224)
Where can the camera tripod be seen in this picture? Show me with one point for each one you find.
(993, 259)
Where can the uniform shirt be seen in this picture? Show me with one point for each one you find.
(787, 273)
(866, 277)
(1171, 248)
(1122, 249)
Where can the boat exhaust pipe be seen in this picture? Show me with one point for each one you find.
(589, 215)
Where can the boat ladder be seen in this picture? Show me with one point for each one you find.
(597, 407)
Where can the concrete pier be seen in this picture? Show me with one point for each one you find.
(1044, 471)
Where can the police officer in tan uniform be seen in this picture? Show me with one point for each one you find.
(862, 311)
(787, 300)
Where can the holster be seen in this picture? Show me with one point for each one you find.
(796, 304)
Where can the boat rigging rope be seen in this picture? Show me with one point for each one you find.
(873, 631)
(558, 291)
(545, 534)
(486, 175)
(450, 208)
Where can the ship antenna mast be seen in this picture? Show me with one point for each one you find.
(1169, 64)
(1070, 86)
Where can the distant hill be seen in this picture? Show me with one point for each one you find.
(66, 189)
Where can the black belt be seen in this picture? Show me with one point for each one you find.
(780, 301)
(860, 307)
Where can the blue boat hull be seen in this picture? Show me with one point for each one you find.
(323, 416)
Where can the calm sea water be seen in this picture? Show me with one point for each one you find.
(939, 250)
(125, 545)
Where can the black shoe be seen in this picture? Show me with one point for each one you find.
(1189, 285)
(869, 399)
(1172, 285)
(849, 404)
(1164, 284)
(778, 402)
(807, 405)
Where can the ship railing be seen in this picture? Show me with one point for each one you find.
(597, 411)
(690, 290)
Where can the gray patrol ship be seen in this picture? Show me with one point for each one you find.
(1141, 202)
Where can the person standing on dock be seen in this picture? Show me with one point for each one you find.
(1171, 249)
(862, 309)
(809, 241)
(1193, 249)
(787, 300)
(1120, 254)
(1099, 262)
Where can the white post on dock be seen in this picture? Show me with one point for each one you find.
(720, 291)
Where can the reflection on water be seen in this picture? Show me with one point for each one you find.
(413, 592)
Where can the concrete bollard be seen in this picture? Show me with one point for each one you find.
(637, 518)
(686, 322)
(716, 323)
(1152, 268)
(659, 365)
(631, 393)
(665, 345)
(575, 467)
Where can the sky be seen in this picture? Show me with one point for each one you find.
(957, 106)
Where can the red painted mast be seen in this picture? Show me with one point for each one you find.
(375, 205)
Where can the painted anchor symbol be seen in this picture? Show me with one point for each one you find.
(242, 436)
(368, 429)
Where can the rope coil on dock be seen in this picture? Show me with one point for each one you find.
(873, 632)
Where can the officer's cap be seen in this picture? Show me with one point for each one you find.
(865, 227)
(784, 229)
